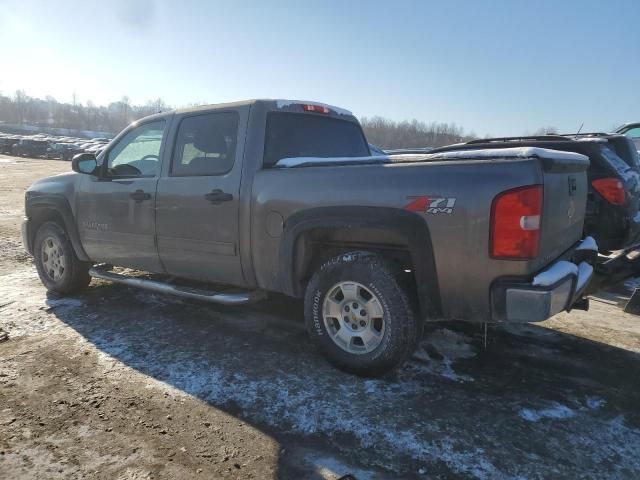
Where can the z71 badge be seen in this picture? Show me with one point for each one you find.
(432, 205)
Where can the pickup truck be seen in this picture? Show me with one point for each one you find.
(284, 196)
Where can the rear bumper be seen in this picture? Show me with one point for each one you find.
(555, 289)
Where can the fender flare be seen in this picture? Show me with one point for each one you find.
(411, 226)
(59, 204)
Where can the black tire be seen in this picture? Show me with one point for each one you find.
(75, 276)
(401, 327)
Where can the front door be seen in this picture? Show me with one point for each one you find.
(197, 203)
(116, 210)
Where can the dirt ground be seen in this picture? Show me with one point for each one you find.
(122, 384)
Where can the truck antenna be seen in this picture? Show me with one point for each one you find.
(580, 129)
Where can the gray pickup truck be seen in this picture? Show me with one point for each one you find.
(284, 196)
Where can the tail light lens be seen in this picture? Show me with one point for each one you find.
(316, 108)
(515, 223)
(611, 189)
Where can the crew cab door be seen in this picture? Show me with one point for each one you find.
(116, 209)
(198, 198)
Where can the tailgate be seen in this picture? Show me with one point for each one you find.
(564, 204)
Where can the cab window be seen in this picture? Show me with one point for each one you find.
(205, 145)
(137, 154)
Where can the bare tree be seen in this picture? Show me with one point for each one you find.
(546, 131)
(412, 134)
(49, 112)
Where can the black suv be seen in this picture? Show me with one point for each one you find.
(614, 180)
(30, 148)
(65, 151)
(7, 143)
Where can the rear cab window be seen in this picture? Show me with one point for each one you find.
(290, 135)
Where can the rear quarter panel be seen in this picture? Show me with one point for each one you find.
(460, 239)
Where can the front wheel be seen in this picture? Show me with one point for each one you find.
(59, 268)
(359, 316)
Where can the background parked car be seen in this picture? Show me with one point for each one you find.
(7, 143)
(57, 150)
(72, 151)
(49, 146)
(96, 148)
(28, 147)
(631, 130)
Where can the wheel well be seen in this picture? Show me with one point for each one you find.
(316, 246)
(42, 215)
(313, 236)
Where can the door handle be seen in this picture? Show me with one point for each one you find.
(139, 196)
(218, 196)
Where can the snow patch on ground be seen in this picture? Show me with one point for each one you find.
(595, 403)
(559, 411)
(64, 302)
(286, 399)
(330, 468)
(333, 405)
(22, 293)
(450, 346)
(556, 411)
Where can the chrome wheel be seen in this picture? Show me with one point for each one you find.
(353, 317)
(53, 259)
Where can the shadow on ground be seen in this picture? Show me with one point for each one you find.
(536, 403)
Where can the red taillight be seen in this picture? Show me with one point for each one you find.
(515, 223)
(611, 189)
(315, 108)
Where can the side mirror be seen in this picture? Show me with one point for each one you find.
(84, 163)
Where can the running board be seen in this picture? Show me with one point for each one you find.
(186, 292)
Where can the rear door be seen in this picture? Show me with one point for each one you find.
(116, 214)
(198, 198)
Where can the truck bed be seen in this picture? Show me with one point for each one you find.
(468, 180)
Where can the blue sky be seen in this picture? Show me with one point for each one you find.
(499, 67)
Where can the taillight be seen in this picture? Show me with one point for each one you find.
(315, 108)
(611, 189)
(515, 223)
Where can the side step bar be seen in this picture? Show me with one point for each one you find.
(186, 292)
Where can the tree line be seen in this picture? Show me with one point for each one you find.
(389, 134)
(21, 109)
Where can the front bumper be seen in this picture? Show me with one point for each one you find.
(26, 236)
(555, 289)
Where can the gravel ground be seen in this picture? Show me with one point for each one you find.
(119, 383)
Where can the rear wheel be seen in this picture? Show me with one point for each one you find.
(59, 268)
(359, 316)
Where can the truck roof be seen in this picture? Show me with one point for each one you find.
(279, 103)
